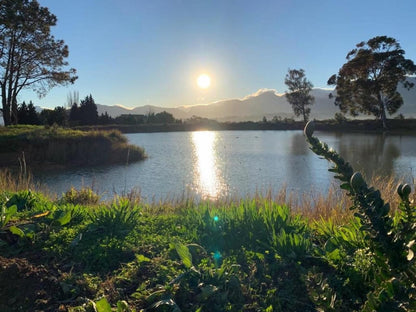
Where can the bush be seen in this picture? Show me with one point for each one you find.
(84, 196)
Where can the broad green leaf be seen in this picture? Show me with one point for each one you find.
(122, 306)
(184, 254)
(16, 231)
(141, 258)
(65, 218)
(102, 305)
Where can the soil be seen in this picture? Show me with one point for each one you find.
(25, 286)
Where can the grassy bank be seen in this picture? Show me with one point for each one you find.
(36, 145)
(77, 254)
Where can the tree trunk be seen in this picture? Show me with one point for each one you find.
(14, 117)
(382, 112)
(5, 108)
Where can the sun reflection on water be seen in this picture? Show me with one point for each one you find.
(206, 176)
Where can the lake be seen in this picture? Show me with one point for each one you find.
(236, 164)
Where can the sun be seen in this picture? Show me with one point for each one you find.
(203, 81)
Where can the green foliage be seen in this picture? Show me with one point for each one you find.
(389, 245)
(368, 82)
(116, 220)
(6, 214)
(24, 200)
(84, 196)
(207, 286)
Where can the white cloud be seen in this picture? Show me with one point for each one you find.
(125, 107)
(262, 91)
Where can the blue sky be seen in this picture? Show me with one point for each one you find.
(134, 52)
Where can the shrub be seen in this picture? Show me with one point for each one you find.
(84, 196)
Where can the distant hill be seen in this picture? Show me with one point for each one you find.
(264, 102)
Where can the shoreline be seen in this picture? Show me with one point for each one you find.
(396, 126)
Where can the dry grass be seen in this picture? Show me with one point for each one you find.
(14, 182)
(313, 205)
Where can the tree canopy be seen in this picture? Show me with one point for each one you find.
(85, 114)
(30, 57)
(299, 92)
(368, 82)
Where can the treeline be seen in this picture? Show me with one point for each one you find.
(84, 114)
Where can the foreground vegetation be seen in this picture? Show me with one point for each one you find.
(75, 253)
(38, 145)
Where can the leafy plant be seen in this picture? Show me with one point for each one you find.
(115, 220)
(23, 200)
(84, 196)
(392, 247)
(204, 287)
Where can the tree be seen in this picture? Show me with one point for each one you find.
(84, 114)
(56, 116)
(368, 82)
(30, 57)
(298, 95)
(26, 114)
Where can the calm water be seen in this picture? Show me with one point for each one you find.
(215, 164)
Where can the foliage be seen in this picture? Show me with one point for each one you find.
(298, 95)
(84, 196)
(31, 57)
(84, 114)
(27, 115)
(116, 220)
(368, 82)
(57, 116)
(391, 246)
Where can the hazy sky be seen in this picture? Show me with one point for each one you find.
(134, 52)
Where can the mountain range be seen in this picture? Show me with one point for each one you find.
(264, 102)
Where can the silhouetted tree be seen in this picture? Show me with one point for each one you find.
(298, 95)
(27, 114)
(84, 114)
(368, 82)
(74, 114)
(30, 57)
(130, 119)
(105, 119)
(88, 111)
(164, 117)
(58, 115)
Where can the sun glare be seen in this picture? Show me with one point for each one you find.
(203, 81)
(207, 179)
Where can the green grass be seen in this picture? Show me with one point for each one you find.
(242, 256)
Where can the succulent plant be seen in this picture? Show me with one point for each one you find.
(309, 128)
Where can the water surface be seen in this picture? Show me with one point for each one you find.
(224, 164)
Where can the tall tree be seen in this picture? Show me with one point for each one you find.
(27, 114)
(30, 57)
(299, 92)
(84, 114)
(368, 82)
